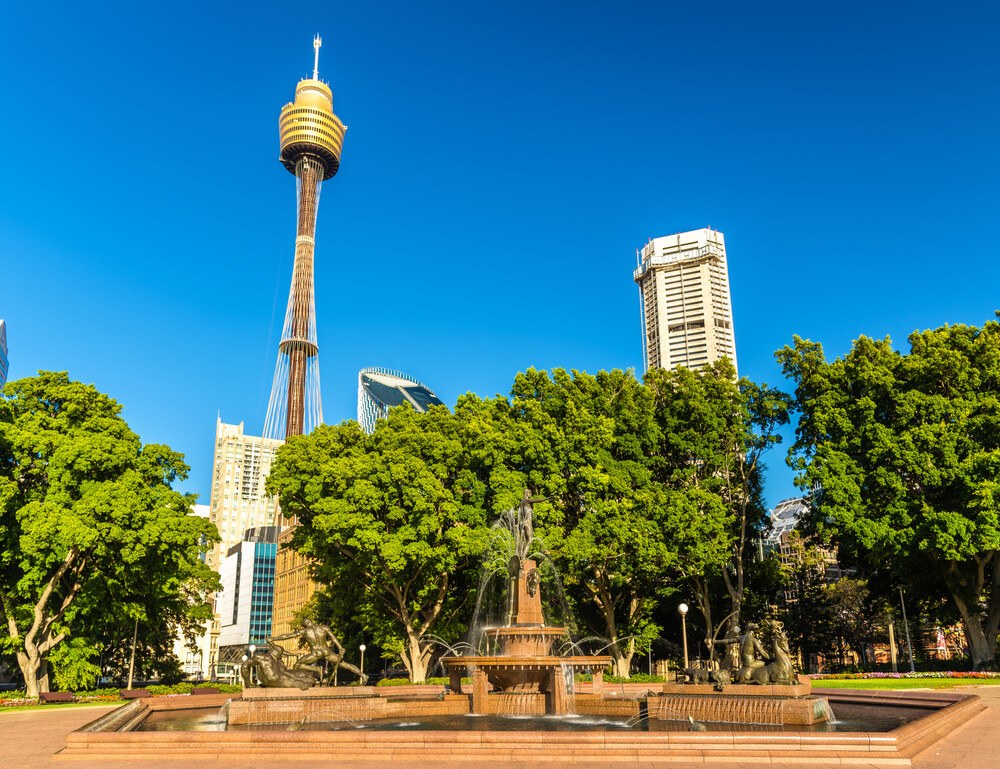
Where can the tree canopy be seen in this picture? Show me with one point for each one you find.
(394, 522)
(640, 487)
(903, 451)
(90, 528)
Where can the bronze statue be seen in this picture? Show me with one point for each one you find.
(532, 581)
(731, 661)
(272, 672)
(749, 649)
(323, 646)
(782, 670)
(524, 537)
(753, 665)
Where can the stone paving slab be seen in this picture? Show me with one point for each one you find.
(31, 740)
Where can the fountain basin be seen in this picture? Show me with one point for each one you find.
(943, 711)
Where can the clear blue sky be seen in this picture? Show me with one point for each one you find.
(503, 162)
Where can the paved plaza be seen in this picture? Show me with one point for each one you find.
(31, 739)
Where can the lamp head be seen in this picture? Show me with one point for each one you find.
(362, 647)
(683, 609)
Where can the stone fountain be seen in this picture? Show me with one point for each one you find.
(525, 664)
(266, 724)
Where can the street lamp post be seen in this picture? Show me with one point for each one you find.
(362, 666)
(253, 673)
(906, 626)
(131, 661)
(683, 610)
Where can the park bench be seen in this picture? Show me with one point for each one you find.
(48, 697)
(205, 690)
(135, 694)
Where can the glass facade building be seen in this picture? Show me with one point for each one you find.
(379, 389)
(245, 601)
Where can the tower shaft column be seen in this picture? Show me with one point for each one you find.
(309, 174)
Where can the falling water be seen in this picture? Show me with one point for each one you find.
(569, 687)
(823, 705)
(518, 704)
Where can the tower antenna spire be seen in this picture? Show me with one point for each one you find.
(317, 44)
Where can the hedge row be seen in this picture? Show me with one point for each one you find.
(17, 698)
(430, 681)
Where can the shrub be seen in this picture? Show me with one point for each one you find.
(635, 678)
(435, 681)
(394, 682)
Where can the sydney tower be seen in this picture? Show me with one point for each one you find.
(311, 138)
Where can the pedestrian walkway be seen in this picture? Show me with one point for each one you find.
(31, 739)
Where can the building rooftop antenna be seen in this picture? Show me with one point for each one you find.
(317, 44)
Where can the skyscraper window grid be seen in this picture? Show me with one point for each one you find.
(685, 304)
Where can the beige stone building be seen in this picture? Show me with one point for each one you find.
(238, 502)
(687, 313)
(240, 467)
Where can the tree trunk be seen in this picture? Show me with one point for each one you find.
(416, 658)
(35, 671)
(43, 675)
(29, 670)
(622, 661)
(703, 599)
(982, 642)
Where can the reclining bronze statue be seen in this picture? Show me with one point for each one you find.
(323, 647)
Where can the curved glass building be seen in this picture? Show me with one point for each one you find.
(379, 389)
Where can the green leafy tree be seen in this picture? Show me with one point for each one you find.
(612, 537)
(89, 526)
(856, 616)
(394, 522)
(904, 450)
(803, 604)
(715, 431)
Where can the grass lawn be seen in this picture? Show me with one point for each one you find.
(903, 683)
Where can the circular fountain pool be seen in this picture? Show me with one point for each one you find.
(850, 717)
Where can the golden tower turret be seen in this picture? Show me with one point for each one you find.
(311, 137)
(308, 126)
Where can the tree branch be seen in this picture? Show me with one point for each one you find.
(39, 612)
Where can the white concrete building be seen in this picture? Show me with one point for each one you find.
(197, 660)
(687, 314)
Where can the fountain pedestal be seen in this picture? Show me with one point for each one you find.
(525, 665)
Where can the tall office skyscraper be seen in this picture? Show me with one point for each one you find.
(3, 352)
(687, 314)
(379, 389)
